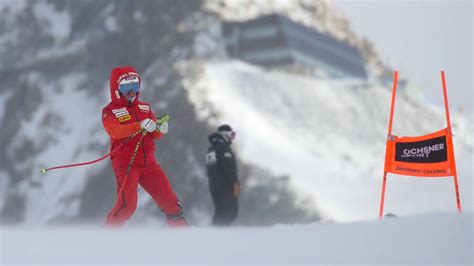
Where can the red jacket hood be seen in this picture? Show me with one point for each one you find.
(117, 75)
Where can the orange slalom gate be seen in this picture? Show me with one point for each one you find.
(430, 155)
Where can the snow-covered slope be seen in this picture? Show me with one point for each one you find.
(57, 132)
(442, 238)
(329, 136)
(56, 57)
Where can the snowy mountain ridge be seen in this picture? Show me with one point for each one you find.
(319, 15)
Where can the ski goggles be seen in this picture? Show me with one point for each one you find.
(229, 134)
(127, 87)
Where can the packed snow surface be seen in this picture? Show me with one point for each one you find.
(442, 238)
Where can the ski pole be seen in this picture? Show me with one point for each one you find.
(131, 162)
(44, 170)
(135, 152)
(159, 121)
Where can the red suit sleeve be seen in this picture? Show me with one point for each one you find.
(115, 129)
(156, 134)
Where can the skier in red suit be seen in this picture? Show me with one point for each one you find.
(122, 117)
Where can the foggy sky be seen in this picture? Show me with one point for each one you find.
(420, 38)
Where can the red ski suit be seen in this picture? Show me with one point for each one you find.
(121, 119)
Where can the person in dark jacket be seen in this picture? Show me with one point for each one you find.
(222, 173)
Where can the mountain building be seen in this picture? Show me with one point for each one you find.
(275, 40)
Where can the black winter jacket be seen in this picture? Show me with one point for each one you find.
(221, 165)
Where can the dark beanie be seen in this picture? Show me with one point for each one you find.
(224, 128)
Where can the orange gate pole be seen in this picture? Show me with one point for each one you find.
(450, 135)
(392, 107)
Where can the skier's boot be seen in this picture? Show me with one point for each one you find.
(176, 220)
